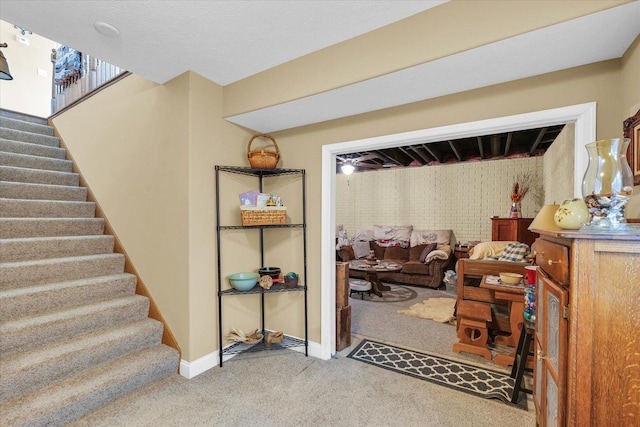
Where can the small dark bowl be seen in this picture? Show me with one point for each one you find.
(274, 272)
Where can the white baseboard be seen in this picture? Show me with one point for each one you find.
(211, 360)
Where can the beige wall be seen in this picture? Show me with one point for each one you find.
(415, 40)
(28, 92)
(559, 167)
(147, 152)
(461, 197)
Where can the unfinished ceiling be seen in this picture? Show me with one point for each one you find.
(522, 143)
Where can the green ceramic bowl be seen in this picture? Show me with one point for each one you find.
(243, 281)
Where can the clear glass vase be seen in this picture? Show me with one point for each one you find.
(607, 185)
(516, 210)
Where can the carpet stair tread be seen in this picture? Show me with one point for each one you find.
(35, 331)
(48, 227)
(84, 393)
(31, 191)
(18, 147)
(23, 117)
(25, 208)
(34, 248)
(50, 297)
(35, 162)
(38, 176)
(28, 371)
(30, 137)
(18, 124)
(39, 272)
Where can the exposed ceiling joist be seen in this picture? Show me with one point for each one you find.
(537, 141)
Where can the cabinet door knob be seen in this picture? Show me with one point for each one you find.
(551, 262)
(540, 355)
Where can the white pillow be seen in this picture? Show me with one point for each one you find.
(363, 236)
(420, 237)
(360, 249)
(392, 232)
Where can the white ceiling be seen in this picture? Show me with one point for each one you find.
(226, 41)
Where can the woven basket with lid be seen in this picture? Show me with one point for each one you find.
(263, 159)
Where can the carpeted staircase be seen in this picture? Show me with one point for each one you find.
(74, 336)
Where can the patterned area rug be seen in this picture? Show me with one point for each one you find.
(438, 370)
(396, 294)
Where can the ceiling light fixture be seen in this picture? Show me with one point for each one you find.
(347, 168)
(4, 66)
(106, 29)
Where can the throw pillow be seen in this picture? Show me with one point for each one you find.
(388, 232)
(363, 236)
(419, 237)
(360, 249)
(516, 252)
(427, 249)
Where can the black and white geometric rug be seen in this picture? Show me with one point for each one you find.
(438, 370)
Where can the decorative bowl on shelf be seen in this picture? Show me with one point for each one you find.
(243, 281)
(273, 272)
(511, 278)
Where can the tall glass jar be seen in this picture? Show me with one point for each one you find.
(607, 185)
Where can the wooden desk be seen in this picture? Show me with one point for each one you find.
(514, 295)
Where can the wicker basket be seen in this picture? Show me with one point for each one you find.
(262, 159)
(250, 215)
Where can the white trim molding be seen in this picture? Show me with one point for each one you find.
(583, 115)
(192, 369)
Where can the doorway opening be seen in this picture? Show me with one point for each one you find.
(582, 115)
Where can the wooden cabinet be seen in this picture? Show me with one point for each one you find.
(587, 346)
(516, 229)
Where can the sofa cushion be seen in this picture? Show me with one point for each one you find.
(378, 250)
(415, 251)
(415, 267)
(397, 253)
(346, 253)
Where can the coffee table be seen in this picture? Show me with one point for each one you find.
(371, 273)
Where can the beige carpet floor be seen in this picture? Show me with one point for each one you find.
(287, 389)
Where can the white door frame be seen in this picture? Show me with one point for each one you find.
(583, 115)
